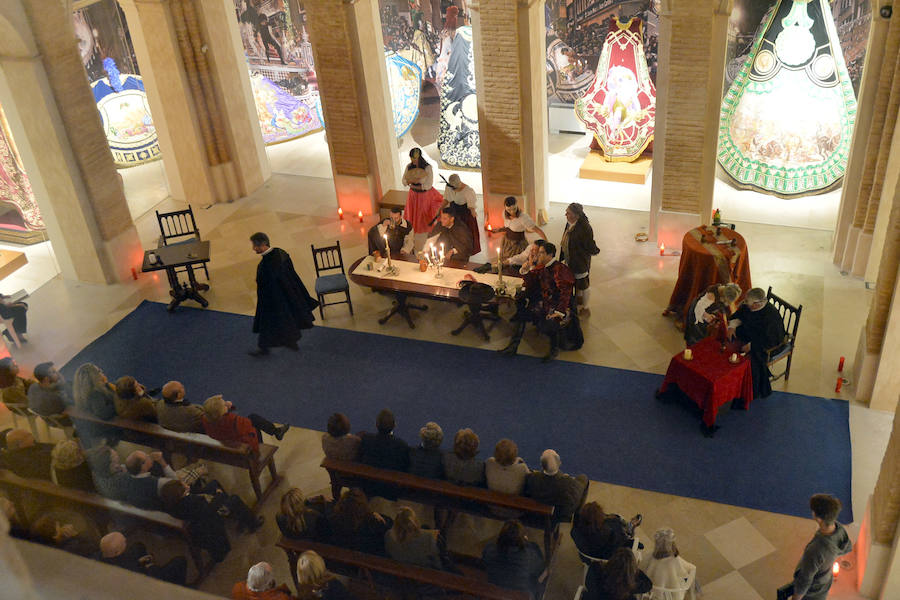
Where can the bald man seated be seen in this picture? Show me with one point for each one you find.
(115, 550)
(552, 486)
(176, 413)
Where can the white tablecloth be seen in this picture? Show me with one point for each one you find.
(410, 273)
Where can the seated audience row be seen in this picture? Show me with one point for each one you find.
(506, 471)
(315, 582)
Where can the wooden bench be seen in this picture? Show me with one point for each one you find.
(436, 492)
(342, 559)
(194, 446)
(23, 492)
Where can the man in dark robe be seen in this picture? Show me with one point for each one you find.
(546, 302)
(399, 232)
(283, 306)
(760, 327)
(454, 235)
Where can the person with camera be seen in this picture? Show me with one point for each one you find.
(399, 232)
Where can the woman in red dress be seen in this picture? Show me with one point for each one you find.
(423, 201)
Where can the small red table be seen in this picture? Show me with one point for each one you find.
(709, 379)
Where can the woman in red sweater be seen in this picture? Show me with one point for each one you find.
(220, 423)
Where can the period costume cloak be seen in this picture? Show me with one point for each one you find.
(283, 306)
(763, 329)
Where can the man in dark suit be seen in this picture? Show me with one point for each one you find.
(552, 486)
(26, 458)
(759, 326)
(384, 451)
(115, 550)
(283, 306)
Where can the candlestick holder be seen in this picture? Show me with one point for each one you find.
(438, 268)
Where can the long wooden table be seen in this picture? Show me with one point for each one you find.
(194, 446)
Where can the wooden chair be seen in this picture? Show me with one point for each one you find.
(177, 227)
(790, 315)
(7, 325)
(330, 259)
(21, 410)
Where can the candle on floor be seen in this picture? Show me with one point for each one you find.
(490, 229)
(360, 217)
(341, 214)
(840, 382)
(841, 368)
(662, 249)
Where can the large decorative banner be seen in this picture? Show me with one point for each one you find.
(108, 57)
(125, 114)
(405, 82)
(576, 36)
(787, 120)
(458, 142)
(15, 190)
(282, 71)
(620, 107)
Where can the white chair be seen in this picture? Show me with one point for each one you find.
(590, 560)
(7, 325)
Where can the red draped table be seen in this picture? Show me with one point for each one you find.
(708, 258)
(709, 379)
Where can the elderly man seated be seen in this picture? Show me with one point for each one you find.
(453, 235)
(759, 326)
(260, 585)
(545, 302)
(176, 413)
(399, 232)
(552, 486)
(115, 550)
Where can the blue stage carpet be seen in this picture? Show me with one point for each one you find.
(603, 422)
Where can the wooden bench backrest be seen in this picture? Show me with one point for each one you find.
(401, 570)
(437, 487)
(93, 502)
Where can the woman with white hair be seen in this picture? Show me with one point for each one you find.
(668, 571)
(315, 582)
(260, 585)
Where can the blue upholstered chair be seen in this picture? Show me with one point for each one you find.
(330, 259)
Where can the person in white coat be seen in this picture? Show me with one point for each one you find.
(668, 571)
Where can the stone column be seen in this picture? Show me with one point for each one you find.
(192, 62)
(690, 77)
(510, 71)
(352, 76)
(49, 105)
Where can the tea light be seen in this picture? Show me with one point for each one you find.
(688, 354)
(490, 229)
(341, 214)
(360, 216)
(662, 249)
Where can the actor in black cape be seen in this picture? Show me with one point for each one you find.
(758, 324)
(283, 306)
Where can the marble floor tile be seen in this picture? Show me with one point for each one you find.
(739, 542)
(731, 587)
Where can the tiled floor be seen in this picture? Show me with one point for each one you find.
(740, 553)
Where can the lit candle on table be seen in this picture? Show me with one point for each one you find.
(433, 254)
(387, 246)
(500, 265)
(442, 252)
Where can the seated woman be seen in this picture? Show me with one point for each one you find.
(315, 582)
(93, 393)
(13, 389)
(352, 524)
(461, 466)
(132, 400)
(711, 307)
(666, 569)
(67, 530)
(298, 518)
(617, 579)
(512, 561)
(506, 471)
(221, 423)
(598, 535)
(338, 443)
(408, 542)
(427, 459)
(70, 466)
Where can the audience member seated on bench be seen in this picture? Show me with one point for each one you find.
(597, 534)
(551, 486)
(141, 465)
(512, 561)
(462, 466)
(315, 582)
(176, 413)
(13, 389)
(230, 428)
(93, 393)
(617, 579)
(338, 443)
(49, 396)
(70, 466)
(24, 457)
(382, 449)
(8, 509)
(113, 481)
(352, 524)
(666, 569)
(406, 541)
(506, 471)
(132, 400)
(260, 585)
(18, 312)
(67, 530)
(115, 550)
(301, 518)
(427, 460)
